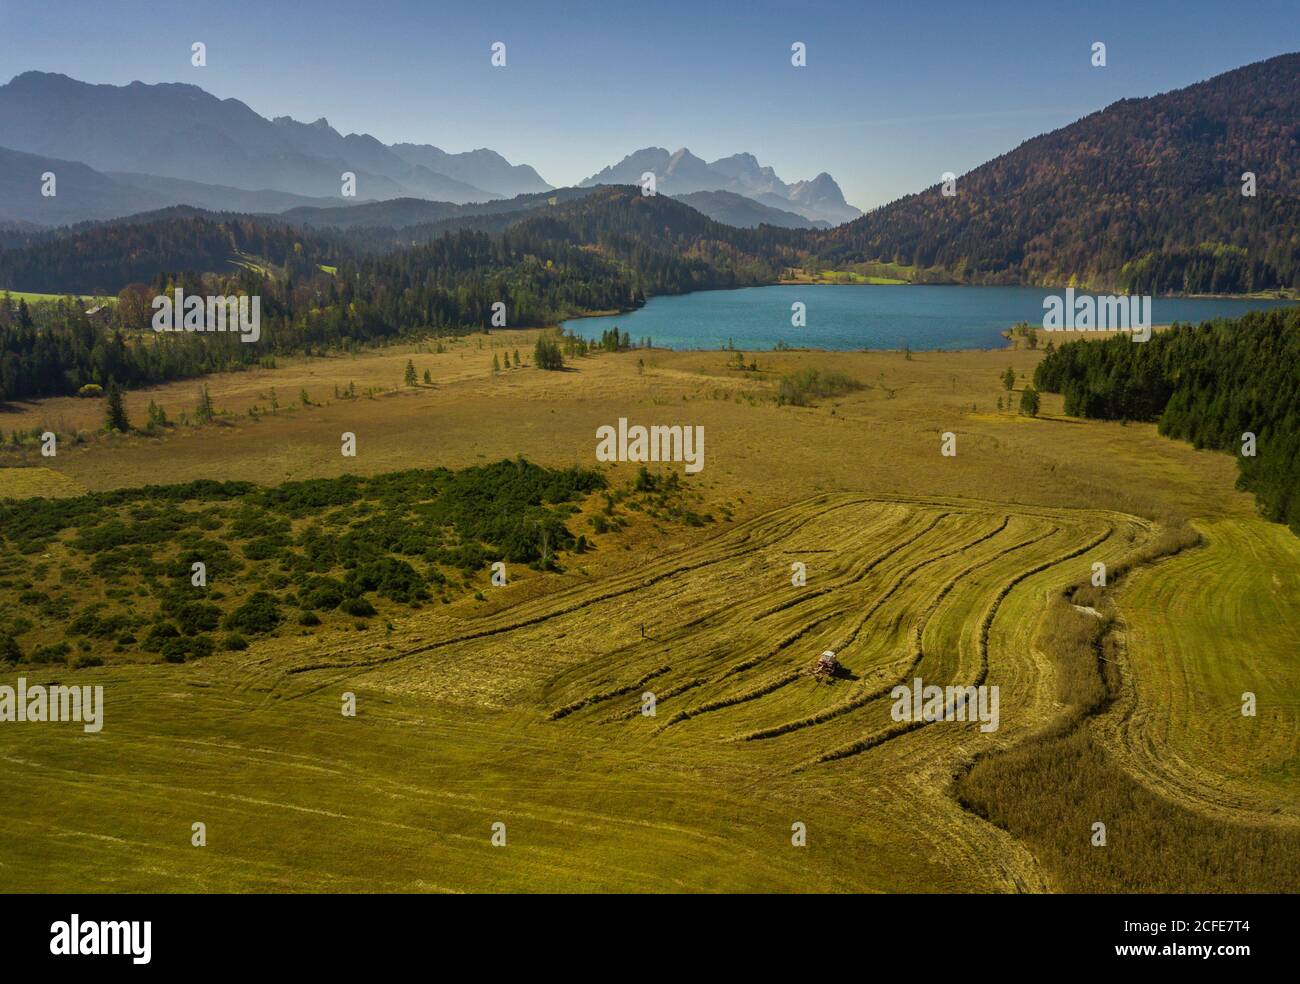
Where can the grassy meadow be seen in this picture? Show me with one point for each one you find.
(522, 704)
(32, 298)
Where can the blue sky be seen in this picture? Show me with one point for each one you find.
(893, 95)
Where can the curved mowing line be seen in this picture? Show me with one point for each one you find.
(570, 609)
(755, 660)
(880, 737)
(810, 595)
(659, 699)
(785, 643)
(762, 690)
(918, 653)
(604, 695)
(898, 581)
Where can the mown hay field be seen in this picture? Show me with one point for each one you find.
(527, 709)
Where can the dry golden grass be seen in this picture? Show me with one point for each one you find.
(918, 565)
(884, 438)
(28, 482)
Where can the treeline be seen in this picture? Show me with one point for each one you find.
(1210, 385)
(102, 258)
(54, 348)
(1208, 268)
(606, 251)
(661, 246)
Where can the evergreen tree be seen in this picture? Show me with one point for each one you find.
(547, 354)
(411, 379)
(114, 411)
(204, 412)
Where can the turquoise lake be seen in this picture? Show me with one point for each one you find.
(864, 317)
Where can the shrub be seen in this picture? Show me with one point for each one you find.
(183, 649)
(256, 615)
(197, 617)
(326, 596)
(158, 635)
(389, 577)
(51, 654)
(359, 607)
(10, 651)
(800, 388)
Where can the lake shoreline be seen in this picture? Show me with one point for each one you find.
(945, 317)
(1291, 296)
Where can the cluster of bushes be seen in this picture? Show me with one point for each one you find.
(660, 496)
(326, 545)
(801, 388)
(547, 354)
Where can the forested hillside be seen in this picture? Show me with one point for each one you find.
(1143, 196)
(668, 245)
(106, 257)
(609, 250)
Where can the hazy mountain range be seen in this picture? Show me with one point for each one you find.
(180, 131)
(1148, 194)
(682, 173)
(746, 213)
(113, 155)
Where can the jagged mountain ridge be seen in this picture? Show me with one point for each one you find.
(682, 173)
